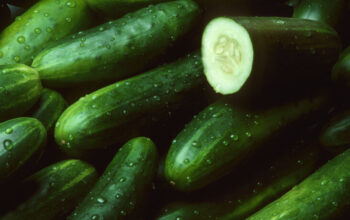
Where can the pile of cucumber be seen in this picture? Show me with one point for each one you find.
(174, 109)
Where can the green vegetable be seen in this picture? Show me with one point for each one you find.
(323, 195)
(122, 189)
(21, 139)
(237, 199)
(331, 12)
(117, 49)
(341, 70)
(335, 136)
(117, 8)
(44, 22)
(54, 191)
(253, 52)
(49, 108)
(20, 88)
(109, 115)
(224, 134)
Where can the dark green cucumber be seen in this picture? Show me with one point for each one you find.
(245, 196)
(54, 191)
(117, 8)
(20, 88)
(224, 134)
(44, 22)
(49, 108)
(341, 70)
(331, 12)
(118, 48)
(21, 139)
(122, 189)
(335, 136)
(108, 115)
(322, 195)
(252, 53)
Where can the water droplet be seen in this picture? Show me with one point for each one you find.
(46, 14)
(196, 212)
(101, 200)
(68, 19)
(122, 179)
(36, 11)
(178, 218)
(21, 39)
(188, 179)
(186, 161)
(248, 115)
(225, 143)
(101, 29)
(157, 98)
(94, 106)
(256, 122)
(217, 115)
(8, 131)
(234, 137)
(323, 182)
(118, 195)
(196, 144)
(300, 162)
(279, 22)
(37, 30)
(7, 144)
(131, 164)
(335, 203)
(122, 212)
(209, 161)
(95, 217)
(71, 4)
(248, 134)
(17, 59)
(27, 47)
(125, 112)
(341, 180)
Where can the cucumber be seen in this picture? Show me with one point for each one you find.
(252, 52)
(122, 107)
(20, 88)
(121, 191)
(54, 191)
(44, 22)
(237, 199)
(331, 12)
(21, 139)
(224, 134)
(117, 8)
(322, 195)
(116, 49)
(49, 108)
(335, 136)
(341, 70)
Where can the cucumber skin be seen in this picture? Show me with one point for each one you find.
(140, 100)
(126, 46)
(117, 8)
(189, 168)
(330, 12)
(129, 176)
(245, 197)
(341, 70)
(26, 26)
(335, 136)
(322, 195)
(49, 108)
(58, 189)
(20, 88)
(28, 137)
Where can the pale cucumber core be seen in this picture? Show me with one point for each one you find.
(227, 55)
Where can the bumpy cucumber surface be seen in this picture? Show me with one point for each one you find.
(242, 197)
(253, 52)
(20, 88)
(341, 70)
(335, 136)
(223, 135)
(121, 191)
(49, 108)
(20, 138)
(110, 114)
(44, 22)
(330, 12)
(118, 48)
(323, 195)
(54, 191)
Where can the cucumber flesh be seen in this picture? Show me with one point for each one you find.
(227, 55)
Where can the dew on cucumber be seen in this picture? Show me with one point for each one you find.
(101, 200)
(123, 213)
(21, 39)
(7, 144)
(17, 59)
(37, 30)
(122, 179)
(95, 217)
(68, 19)
(117, 196)
(71, 4)
(186, 161)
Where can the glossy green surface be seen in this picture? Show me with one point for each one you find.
(20, 88)
(122, 190)
(45, 22)
(20, 140)
(116, 49)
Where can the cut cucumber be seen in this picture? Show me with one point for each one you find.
(257, 50)
(323, 195)
(121, 192)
